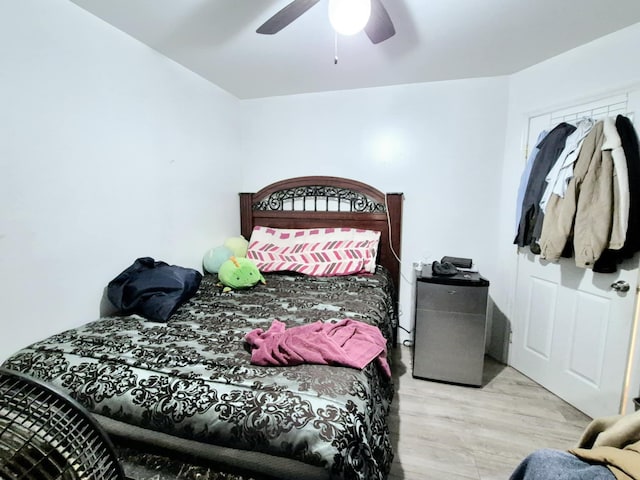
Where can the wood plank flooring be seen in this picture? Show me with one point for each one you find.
(443, 431)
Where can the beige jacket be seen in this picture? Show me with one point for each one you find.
(614, 442)
(588, 208)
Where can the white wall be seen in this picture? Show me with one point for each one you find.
(108, 151)
(589, 72)
(441, 144)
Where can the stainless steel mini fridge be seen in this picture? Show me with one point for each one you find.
(450, 327)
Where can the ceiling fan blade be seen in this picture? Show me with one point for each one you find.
(380, 27)
(285, 16)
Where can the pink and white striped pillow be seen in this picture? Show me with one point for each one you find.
(319, 252)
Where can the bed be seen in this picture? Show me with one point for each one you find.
(187, 388)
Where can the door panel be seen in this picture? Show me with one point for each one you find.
(588, 334)
(539, 326)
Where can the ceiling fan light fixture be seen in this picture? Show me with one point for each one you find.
(349, 17)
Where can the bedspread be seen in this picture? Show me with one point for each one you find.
(192, 377)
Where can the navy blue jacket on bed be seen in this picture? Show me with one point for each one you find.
(153, 289)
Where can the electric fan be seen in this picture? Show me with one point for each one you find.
(46, 435)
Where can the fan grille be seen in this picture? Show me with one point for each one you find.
(46, 435)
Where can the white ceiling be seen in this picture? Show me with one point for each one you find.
(435, 40)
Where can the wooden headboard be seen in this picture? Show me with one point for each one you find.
(318, 201)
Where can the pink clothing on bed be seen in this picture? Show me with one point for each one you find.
(348, 342)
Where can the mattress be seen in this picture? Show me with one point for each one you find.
(189, 384)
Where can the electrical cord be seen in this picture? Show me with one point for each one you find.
(397, 257)
(406, 343)
(408, 331)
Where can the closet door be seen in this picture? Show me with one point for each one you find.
(572, 327)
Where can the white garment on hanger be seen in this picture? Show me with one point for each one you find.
(562, 170)
(613, 142)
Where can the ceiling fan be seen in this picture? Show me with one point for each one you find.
(379, 27)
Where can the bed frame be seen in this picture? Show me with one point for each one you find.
(319, 201)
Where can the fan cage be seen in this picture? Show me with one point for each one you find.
(46, 435)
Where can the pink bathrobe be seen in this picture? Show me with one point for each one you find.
(348, 343)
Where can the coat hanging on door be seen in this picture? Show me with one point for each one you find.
(549, 149)
(582, 197)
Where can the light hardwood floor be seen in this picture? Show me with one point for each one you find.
(443, 431)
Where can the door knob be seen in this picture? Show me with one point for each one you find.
(620, 286)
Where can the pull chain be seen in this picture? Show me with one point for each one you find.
(335, 48)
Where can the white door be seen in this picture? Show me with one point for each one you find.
(573, 331)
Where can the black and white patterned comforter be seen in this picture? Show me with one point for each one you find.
(192, 378)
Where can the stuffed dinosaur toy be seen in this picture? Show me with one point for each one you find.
(238, 273)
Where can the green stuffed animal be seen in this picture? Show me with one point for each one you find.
(238, 273)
